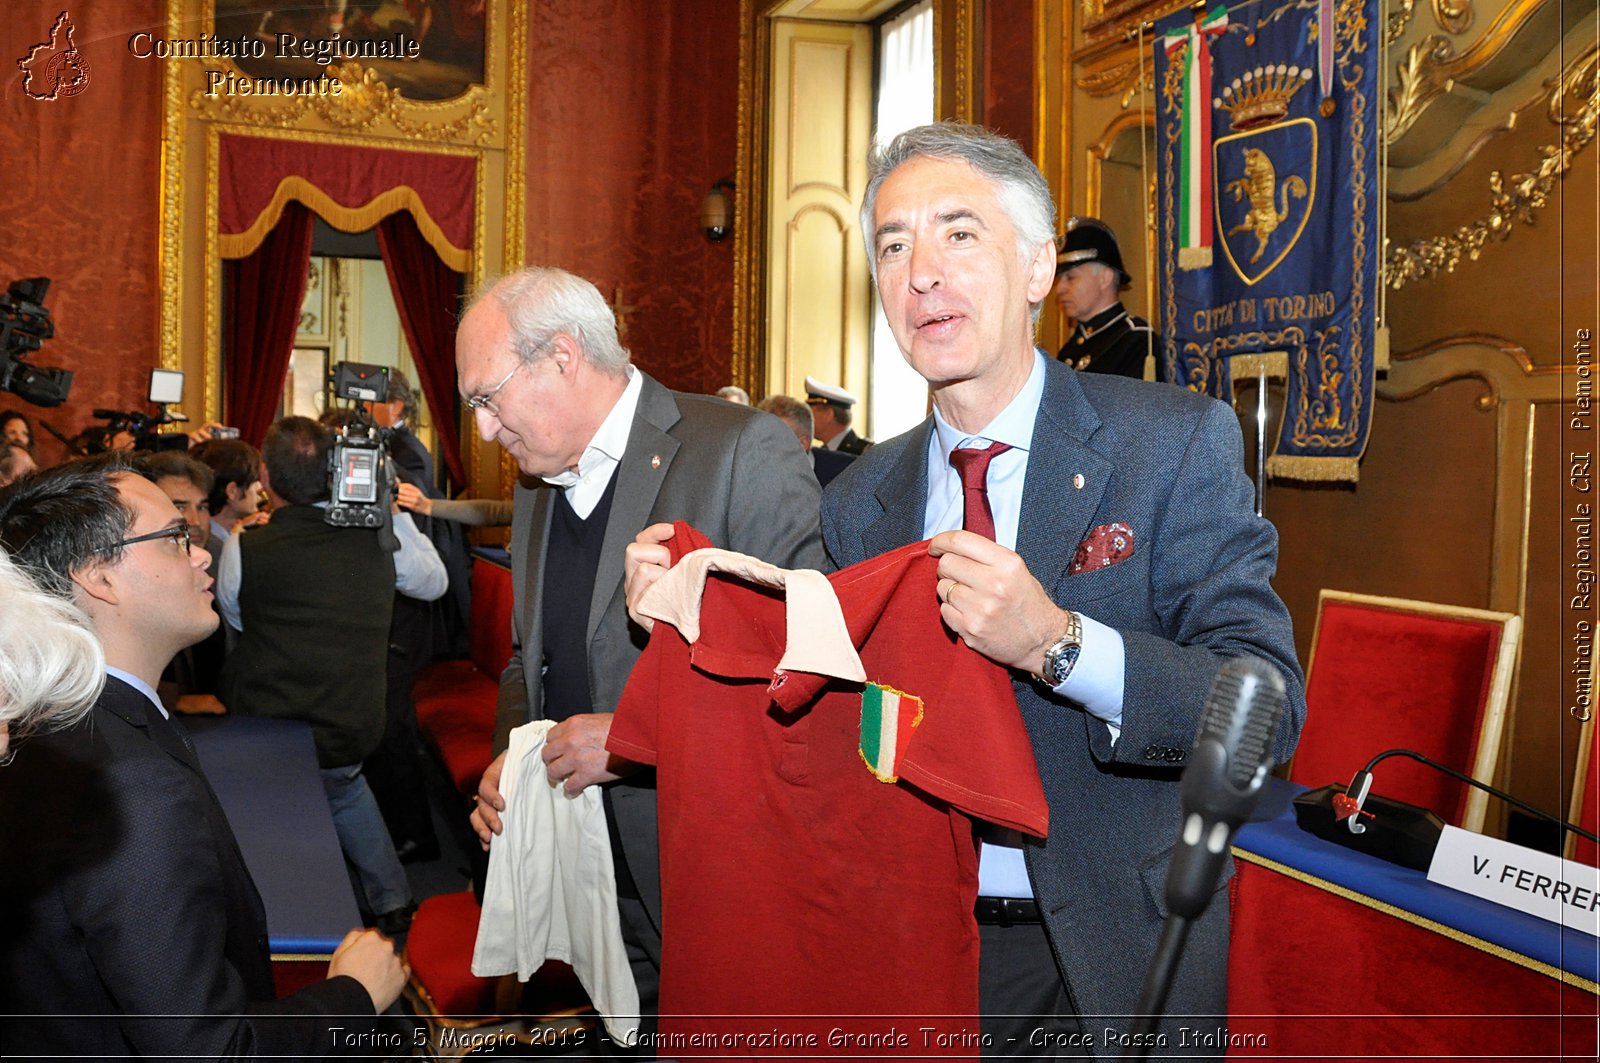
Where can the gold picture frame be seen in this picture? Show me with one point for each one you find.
(204, 97)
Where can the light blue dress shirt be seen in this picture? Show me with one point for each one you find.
(1096, 682)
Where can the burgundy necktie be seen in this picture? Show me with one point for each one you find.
(972, 465)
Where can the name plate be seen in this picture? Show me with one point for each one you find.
(1561, 891)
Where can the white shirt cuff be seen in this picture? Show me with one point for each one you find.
(1096, 681)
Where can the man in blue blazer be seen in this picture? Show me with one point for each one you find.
(131, 926)
(1112, 561)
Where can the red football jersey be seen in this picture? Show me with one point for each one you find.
(809, 907)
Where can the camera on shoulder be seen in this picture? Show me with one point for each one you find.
(361, 481)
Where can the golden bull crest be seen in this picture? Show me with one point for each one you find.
(1262, 201)
(1265, 190)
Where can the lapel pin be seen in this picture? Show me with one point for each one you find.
(655, 461)
(1077, 481)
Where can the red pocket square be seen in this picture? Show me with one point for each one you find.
(1105, 546)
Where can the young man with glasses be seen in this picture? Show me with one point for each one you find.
(132, 926)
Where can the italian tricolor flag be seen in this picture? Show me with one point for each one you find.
(888, 716)
(1194, 169)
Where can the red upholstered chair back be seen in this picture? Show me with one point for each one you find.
(490, 625)
(1389, 673)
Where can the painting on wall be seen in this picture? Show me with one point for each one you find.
(422, 49)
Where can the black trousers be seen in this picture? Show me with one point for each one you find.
(1025, 1009)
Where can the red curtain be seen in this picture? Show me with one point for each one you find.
(427, 294)
(262, 294)
(351, 187)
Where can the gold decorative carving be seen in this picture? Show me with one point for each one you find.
(1432, 66)
(1398, 20)
(1453, 16)
(1575, 107)
(364, 104)
(1130, 78)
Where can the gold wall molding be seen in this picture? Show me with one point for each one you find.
(965, 105)
(1488, 371)
(1432, 67)
(1513, 388)
(1574, 107)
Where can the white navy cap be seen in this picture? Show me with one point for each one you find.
(818, 393)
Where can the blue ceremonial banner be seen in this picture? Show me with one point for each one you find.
(1267, 223)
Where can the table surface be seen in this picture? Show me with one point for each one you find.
(265, 774)
(1274, 835)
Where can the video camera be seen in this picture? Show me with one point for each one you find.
(361, 482)
(24, 325)
(166, 387)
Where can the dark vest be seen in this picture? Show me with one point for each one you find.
(315, 602)
(571, 558)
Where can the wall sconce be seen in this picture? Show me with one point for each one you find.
(716, 213)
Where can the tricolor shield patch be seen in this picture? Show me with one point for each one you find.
(888, 716)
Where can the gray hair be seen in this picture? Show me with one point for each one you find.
(1023, 192)
(542, 302)
(53, 667)
(792, 412)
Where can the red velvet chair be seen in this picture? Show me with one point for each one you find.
(466, 1013)
(456, 699)
(1390, 673)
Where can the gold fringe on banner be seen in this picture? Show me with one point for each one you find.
(1194, 258)
(1320, 470)
(1380, 349)
(349, 219)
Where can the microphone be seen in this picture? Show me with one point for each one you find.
(1219, 790)
(1223, 781)
(1391, 830)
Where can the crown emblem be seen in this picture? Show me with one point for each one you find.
(1261, 96)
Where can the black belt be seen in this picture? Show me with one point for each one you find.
(1006, 911)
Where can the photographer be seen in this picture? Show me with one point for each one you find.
(312, 604)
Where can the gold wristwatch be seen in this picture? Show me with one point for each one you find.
(1063, 654)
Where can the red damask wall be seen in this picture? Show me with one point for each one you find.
(632, 115)
(78, 179)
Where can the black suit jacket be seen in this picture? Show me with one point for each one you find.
(829, 463)
(853, 444)
(131, 925)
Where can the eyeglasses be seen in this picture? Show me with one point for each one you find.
(486, 400)
(178, 534)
